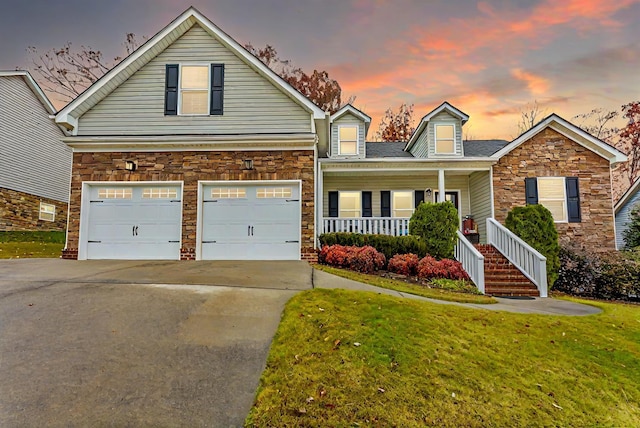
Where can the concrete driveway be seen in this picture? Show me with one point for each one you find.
(122, 343)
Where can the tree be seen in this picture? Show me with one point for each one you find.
(318, 87)
(632, 234)
(436, 225)
(630, 140)
(598, 122)
(530, 114)
(396, 126)
(65, 72)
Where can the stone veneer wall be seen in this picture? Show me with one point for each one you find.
(191, 167)
(550, 154)
(21, 211)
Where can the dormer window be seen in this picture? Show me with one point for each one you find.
(348, 140)
(445, 139)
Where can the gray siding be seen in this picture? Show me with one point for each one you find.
(376, 183)
(348, 119)
(251, 103)
(33, 158)
(623, 219)
(425, 146)
(480, 194)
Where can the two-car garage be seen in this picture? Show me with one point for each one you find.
(235, 220)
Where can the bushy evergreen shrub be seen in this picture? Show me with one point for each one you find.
(534, 225)
(436, 226)
(361, 259)
(387, 245)
(404, 264)
(632, 234)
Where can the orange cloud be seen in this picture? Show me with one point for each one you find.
(537, 85)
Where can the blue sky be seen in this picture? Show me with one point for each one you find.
(488, 58)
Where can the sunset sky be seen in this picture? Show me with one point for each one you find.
(488, 58)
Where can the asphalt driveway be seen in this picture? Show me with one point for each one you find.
(123, 343)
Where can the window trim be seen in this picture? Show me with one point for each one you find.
(40, 211)
(393, 202)
(180, 90)
(359, 204)
(354, 125)
(564, 193)
(435, 139)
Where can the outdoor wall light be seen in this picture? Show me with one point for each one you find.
(130, 165)
(248, 164)
(428, 192)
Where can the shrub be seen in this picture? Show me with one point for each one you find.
(387, 245)
(613, 275)
(429, 268)
(458, 285)
(404, 264)
(362, 259)
(436, 225)
(632, 234)
(534, 224)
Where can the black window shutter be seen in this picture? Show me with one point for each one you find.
(573, 200)
(171, 90)
(418, 198)
(367, 206)
(531, 190)
(217, 89)
(385, 203)
(333, 204)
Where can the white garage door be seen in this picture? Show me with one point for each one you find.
(134, 222)
(258, 222)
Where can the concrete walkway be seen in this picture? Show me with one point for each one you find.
(544, 306)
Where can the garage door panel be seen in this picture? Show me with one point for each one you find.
(137, 251)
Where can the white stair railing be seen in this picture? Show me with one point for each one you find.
(471, 259)
(530, 262)
(367, 225)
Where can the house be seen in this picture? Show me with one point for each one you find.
(191, 148)
(35, 165)
(623, 208)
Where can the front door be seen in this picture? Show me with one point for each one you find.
(453, 197)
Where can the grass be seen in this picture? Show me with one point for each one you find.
(456, 294)
(27, 244)
(346, 358)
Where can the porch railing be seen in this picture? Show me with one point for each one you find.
(367, 225)
(471, 259)
(530, 262)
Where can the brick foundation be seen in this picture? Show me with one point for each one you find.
(21, 211)
(550, 154)
(190, 167)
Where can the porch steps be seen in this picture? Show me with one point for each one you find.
(501, 277)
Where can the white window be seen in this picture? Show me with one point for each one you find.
(159, 193)
(349, 204)
(47, 212)
(402, 204)
(228, 193)
(273, 192)
(348, 140)
(116, 193)
(445, 139)
(551, 194)
(194, 90)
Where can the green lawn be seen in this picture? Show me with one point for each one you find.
(20, 245)
(418, 290)
(347, 358)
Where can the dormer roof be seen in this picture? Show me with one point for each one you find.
(425, 120)
(355, 112)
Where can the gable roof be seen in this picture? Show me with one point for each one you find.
(631, 191)
(33, 85)
(570, 131)
(425, 120)
(354, 111)
(482, 148)
(122, 71)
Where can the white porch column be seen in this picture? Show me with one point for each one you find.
(319, 200)
(441, 186)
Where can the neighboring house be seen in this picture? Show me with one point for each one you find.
(35, 165)
(191, 148)
(623, 208)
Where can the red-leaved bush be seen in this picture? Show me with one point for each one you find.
(404, 264)
(429, 267)
(361, 259)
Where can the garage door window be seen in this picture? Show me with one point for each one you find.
(228, 193)
(116, 193)
(274, 192)
(159, 193)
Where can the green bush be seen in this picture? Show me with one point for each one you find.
(632, 234)
(54, 237)
(387, 245)
(436, 225)
(534, 224)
